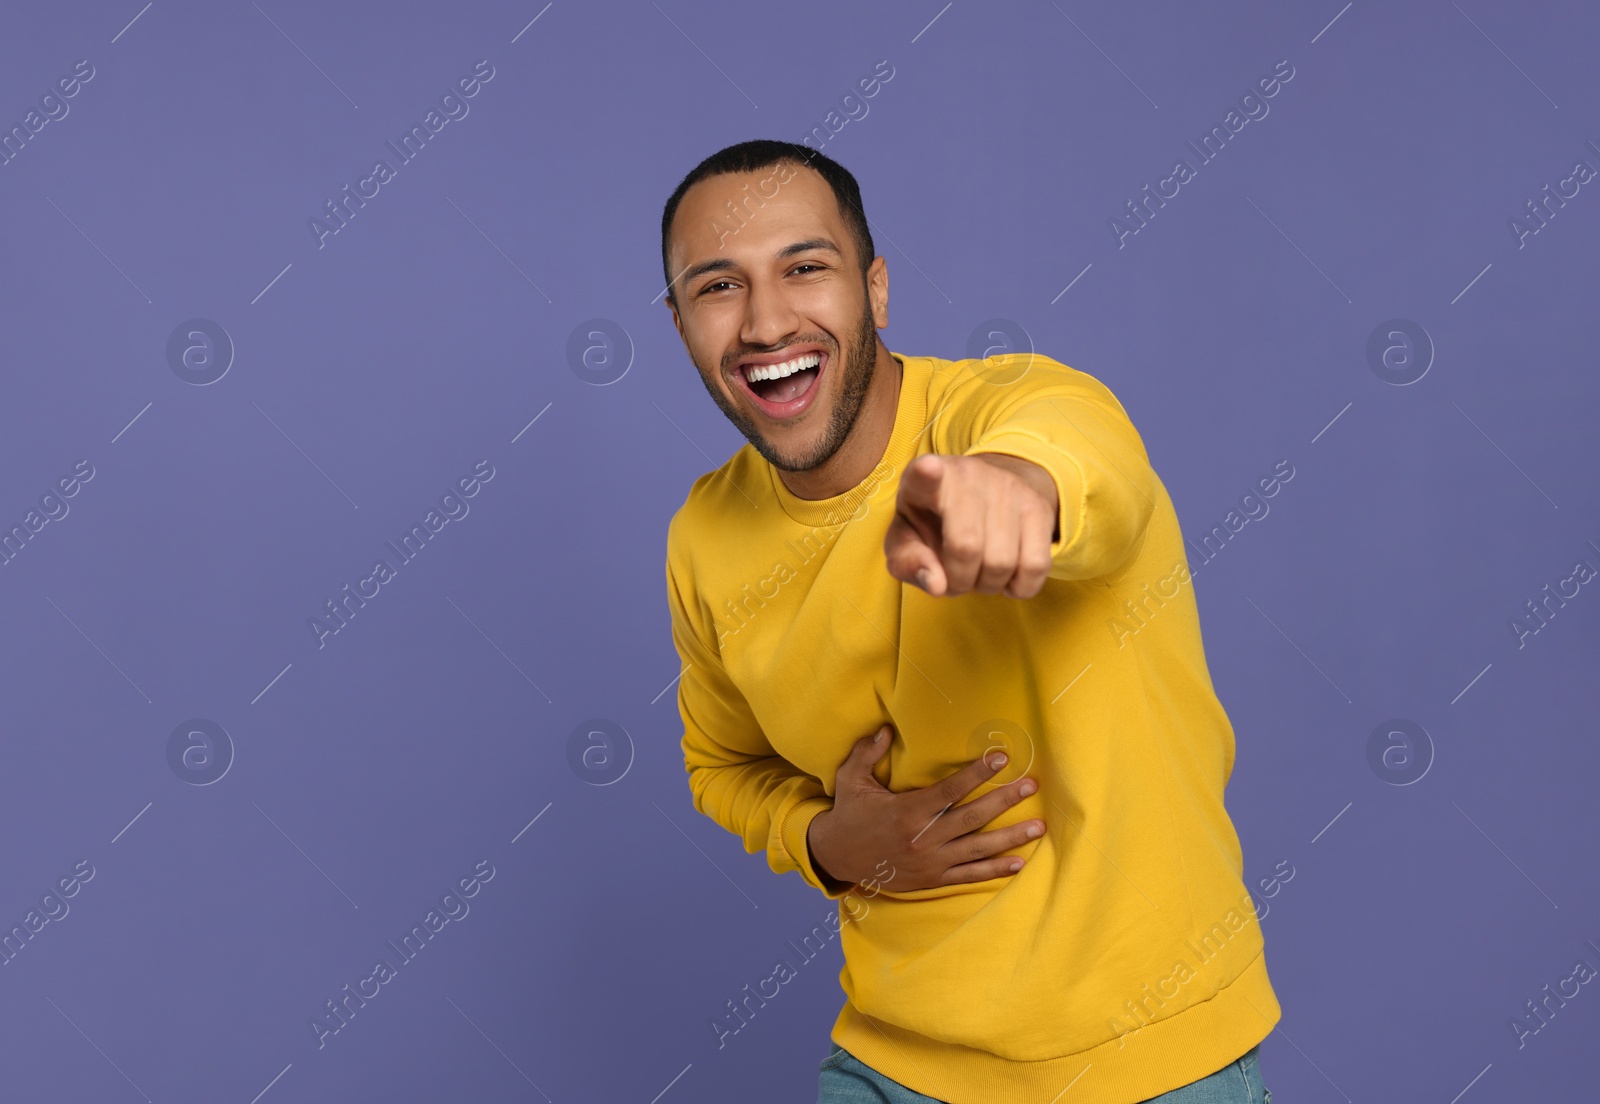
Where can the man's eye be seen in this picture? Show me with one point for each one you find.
(713, 287)
(807, 264)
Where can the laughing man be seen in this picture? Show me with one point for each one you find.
(973, 562)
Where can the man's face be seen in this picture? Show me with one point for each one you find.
(785, 284)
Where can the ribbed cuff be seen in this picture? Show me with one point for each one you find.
(1063, 469)
(792, 837)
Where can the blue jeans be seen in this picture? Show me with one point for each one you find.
(846, 1080)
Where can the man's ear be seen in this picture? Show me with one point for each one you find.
(676, 321)
(878, 291)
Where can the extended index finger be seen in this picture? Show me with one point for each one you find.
(920, 482)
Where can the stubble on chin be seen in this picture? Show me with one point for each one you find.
(856, 374)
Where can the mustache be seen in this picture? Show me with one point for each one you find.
(731, 363)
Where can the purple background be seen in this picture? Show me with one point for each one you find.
(371, 373)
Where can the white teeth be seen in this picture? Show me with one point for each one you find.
(787, 368)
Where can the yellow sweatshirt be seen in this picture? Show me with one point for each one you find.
(1125, 958)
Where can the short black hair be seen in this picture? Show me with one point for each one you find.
(761, 153)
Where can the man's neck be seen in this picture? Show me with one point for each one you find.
(868, 440)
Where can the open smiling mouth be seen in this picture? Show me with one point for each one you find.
(784, 390)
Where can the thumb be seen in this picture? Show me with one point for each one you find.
(865, 755)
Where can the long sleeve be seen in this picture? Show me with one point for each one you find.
(735, 777)
(1071, 425)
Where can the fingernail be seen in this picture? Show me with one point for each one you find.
(877, 739)
(1027, 788)
(998, 761)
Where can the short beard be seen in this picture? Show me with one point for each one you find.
(860, 362)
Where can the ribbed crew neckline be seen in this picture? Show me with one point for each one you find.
(909, 421)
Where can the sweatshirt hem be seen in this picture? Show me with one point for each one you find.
(1147, 1062)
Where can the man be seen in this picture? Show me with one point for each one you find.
(959, 558)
